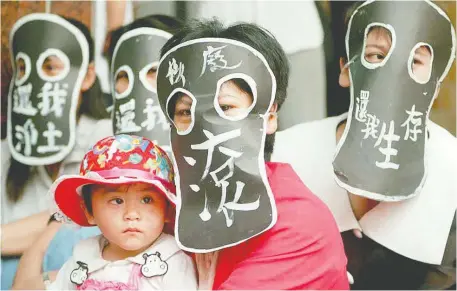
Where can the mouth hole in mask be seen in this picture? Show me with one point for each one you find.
(420, 62)
(378, 45)
(148, 76)
(53, 65)
(181, 110)
(23, 68)
(123, 82)
(235, 97)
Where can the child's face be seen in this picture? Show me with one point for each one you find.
(233, 101)
(130, 216)
(377, 46)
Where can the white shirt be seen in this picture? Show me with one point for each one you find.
(180, 272)
(416, 228)
(35, 198)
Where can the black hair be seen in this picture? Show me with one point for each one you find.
(347, 16)
(253, 35)
(86, 192)
(92, 105)
(158, 21)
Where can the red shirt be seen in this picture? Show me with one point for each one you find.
(304, 249)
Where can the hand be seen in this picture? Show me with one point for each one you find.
(206, 267)
(357, 233)
(350, 278)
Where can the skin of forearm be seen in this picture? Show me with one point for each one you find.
(18, 236)
(29, 271)
(115, 11)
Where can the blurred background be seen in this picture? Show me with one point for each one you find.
(311, 32)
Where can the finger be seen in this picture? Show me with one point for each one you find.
(350, 278)
(357, 233)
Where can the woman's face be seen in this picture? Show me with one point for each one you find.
(231, 99)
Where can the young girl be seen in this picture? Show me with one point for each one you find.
(125, 187)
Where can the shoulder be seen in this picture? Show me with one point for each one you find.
(442, 142)
(306, 142)
(300, 211)
(180, 271)
(95, 129)
(88, 248)
(441, 157)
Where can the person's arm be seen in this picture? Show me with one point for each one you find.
(29, 271)
(206, 269)
(115, 13)
(18, 236)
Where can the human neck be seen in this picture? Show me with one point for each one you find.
(112, 252)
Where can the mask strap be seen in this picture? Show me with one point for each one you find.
(350, 62)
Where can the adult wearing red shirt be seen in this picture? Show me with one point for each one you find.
(303, 250)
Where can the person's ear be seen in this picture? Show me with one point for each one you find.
(170, 213)
(89, 79)
(272, 122)
(344, 80)
(89, 216)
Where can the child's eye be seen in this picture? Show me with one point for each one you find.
(147, 200)
(116, 201)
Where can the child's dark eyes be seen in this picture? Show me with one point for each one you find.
(146, 200)
(116, 201)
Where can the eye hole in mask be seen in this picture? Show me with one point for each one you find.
(379, 43)
(23, 68)
(123, 82)
(235, 96)
(420, 63)
(53, 65)
(181, 110)
(148, 76)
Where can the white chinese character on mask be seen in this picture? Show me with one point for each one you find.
(175, 72)
(26, 135)
(361, 106)
(214, 59)
(415, 120)
(371, 126)
(50, 134)
(21, 100)
(153, 113)
(223, 206)
(388, 151)
(125, 118)
(53, 99)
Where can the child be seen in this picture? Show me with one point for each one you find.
(125, 187)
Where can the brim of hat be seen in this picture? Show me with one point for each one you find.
(70, 201)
